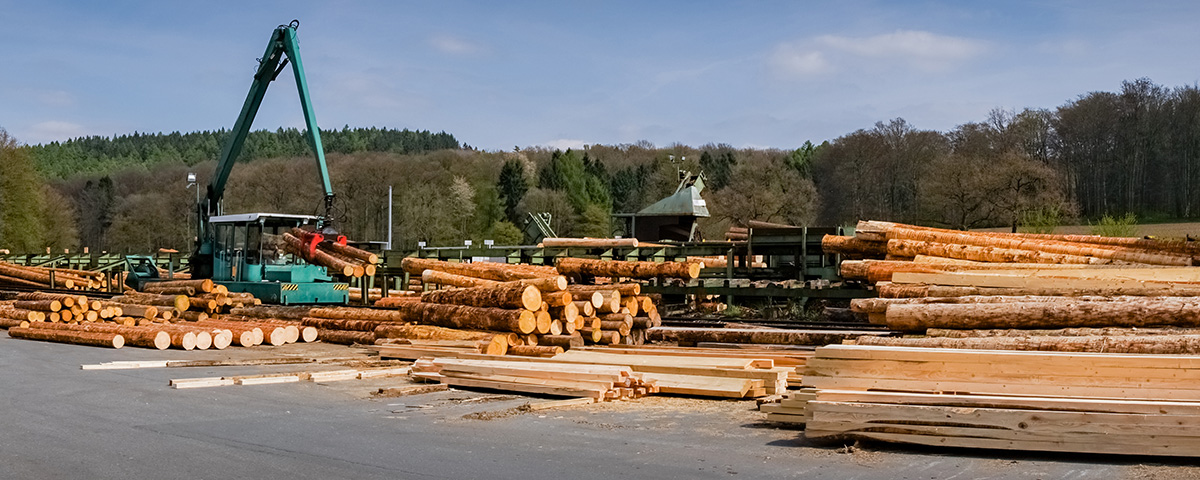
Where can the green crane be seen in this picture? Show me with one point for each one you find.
(243, 251)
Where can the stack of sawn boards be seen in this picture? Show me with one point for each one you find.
(705, 372)
(1015, 400)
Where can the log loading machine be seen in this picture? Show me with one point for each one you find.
(243, 251)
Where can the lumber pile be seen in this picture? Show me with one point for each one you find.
(14, 275)
(598, 382)
(333, 254)
(1039, 401)
(717, 373)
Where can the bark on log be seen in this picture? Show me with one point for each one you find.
(39, 305)
(579, 267)
(192, 316)
(1045, 246)
(534, 350)
(1060, 332)
(177, 302)
(492, 271)
(585, 308)
(465, 317)
(204, 286)
(1064, 314)
(36, 275)
(395, 302)
(591, 335)
(891, 290)
(555, 242)
(335, 265)
(508, 296)
(912, 248)
(436, 277)
(754, 336)
(617, 326)
(853, 246)
(9, 311)
(145, 337)
(346, 337)
(276, 312)
(564, 341)
(558, 299)
(67, 300)
(341, 324)
(185, 291)
(1149, 344)
(351, 252)
(351, 313)
(566, 313)
(96, 339)
(853, 269)
(879, 305)
(431, 332)
(628, 289)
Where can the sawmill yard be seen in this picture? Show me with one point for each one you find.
(66, 422)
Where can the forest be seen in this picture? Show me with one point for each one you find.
(1133, 151)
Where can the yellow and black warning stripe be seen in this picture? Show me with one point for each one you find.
(290, 286)
(341, 286)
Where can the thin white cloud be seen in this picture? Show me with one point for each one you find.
(454, 45)
(908, 49)
(54, 130)
(565, 143)
(799, 61)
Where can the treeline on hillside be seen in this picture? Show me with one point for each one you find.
(1133, 151)
(102, 155)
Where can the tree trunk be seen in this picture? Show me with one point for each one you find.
(1060, 332)
(578, 267)
(853, 246)
(1064, 314)
(1148, 344)
(585, 307)
(335, 265)
(39, 305)
(96, 339)
(487, 270)
(892, 290)
(756, 336)
(534, 350)
(342, 324)
(351, 252)
(1113, 252)
(145, 337)
(564, 341)
(508, 296)
(912, 248)
(178, 302)
(590, 242)
(346, 337)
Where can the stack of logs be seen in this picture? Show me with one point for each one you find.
(150, 320)
(508, 309)
(337, 257)
(1076, 293)
(14, 275)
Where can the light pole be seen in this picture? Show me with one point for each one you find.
(191, 179)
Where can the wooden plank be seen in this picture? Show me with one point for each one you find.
(549, 404)
(1101, 446)
(266, 380)
(1074, 375)
(631, 360)
(702, 386)
(512, 387)
(1009, 357)
(1034, 422)
(998, 388)
(1007, 401)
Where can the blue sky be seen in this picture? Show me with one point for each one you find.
(566, 73)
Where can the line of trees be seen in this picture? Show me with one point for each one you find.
(1136, 151)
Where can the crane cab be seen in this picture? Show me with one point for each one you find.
(248, 256)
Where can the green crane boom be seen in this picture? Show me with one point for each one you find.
(281, 49)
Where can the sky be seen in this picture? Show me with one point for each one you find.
(499, 75)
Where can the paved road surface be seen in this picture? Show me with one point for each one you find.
(63, 422)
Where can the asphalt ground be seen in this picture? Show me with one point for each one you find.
(59, 421)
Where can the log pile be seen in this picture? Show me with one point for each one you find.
(564, 315)
(337, 257)
(14, 275)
